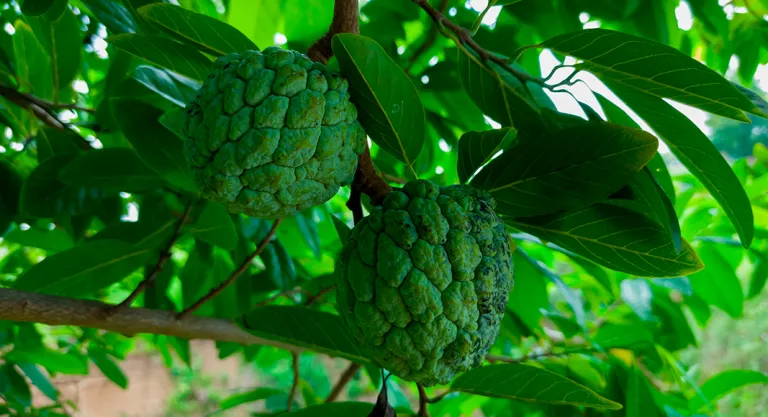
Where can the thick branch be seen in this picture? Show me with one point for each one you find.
(344, 379)
(369, 182)
(346, 15)
(423, 401)
(60, 311)
(235, 274)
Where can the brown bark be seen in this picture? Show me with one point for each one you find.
(346, 14)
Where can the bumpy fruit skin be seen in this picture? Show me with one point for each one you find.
(423, 281)
(272, 133)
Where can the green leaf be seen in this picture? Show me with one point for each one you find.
(166, 53)
(53, 142)
(113, 15)
(623, 336)
(754, 97)
(653, 67)
(57, 10)
(759, 276)
(615, 237)
(160, 148)
(215, 226)
(279, 266)
(112, 169)
(697, 153)
(718, 283)
(477, 148)
(529, 297)
(260, 393)
(36, 7)
(107, 366)
(10, 193)
(30, 57)
(640, 402)
(336, 409)
(65, 363)
(341, 228)
(498, 93)
(309, 232)
(55, 240)
(40, 380)
(43, 195)
(529, 383)
(63, 41)
(17, 390)
(177, 89)
(210, 35)
(259, 27)
(145, 234)
(387, 102)
(568, 169)
(84, 269)
(306, 328)
(724, 383)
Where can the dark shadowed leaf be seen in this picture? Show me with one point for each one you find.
(278, 266)
(160, 148)
(107, 366)
(615, 237)
(477, 148)
(306, 328)
(529, 383)
(43, 195)
(166, 53)
(210, 35)
(52, 142)
(36, 7)
(754, 97)
(569, 169)
(640, 401)
(653, 67)
(718, 283)
(10, 193)
(341, 228)
(112, 169)
(498, 93)
(113, 15)
(261, 393)
(175, 88)
(697, 153)
(16, 389)
(146, 234)
(724, 383)
(336, 409)
(215, 226)
(41, 381)
(387, 102)
(84, 269)
(571, 297)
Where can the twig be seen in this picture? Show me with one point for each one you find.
(344, 379)
(164, 257)
(534, 356)
(423, 401)
(313, 298)
(296, 378)
(464, 37)
(439, 397)
(479, 20)
(346, 15)
(235, 274)
(431, 37)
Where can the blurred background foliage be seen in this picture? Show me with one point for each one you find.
(688, 329)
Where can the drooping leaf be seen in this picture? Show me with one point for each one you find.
(112, 169)
(306, 328)
(41, 381)
(718, 283)
(615, 237)
(387, 102)
(166, 53)
(724, 383)
(477, 148)
(498, 93)
(528, 383)
(215, 226)
(84, 269)
(260, 393)
(160, 148)
(107, 366)
(697, 153)
(210, 35)
(569, 169)
(655, 68)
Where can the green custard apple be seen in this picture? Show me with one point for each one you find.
(271, 133)
(423, 281)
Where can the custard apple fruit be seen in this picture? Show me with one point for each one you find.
(423, 281)
(271, 133)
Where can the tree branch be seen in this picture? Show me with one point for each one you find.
(423, 401)
(367, 180)
(346, 15)
(235, 274)
(164, 257)
(60, 311)
(296, 379)
(431, 38)
(344, 379)
(534, 356)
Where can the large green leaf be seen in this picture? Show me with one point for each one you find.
(615, 237)
(387, 102)
(43, 195)
(107, 366)
(477, 148)
(63, 41)
(279, 266)
(55, 240)
(654, 68)
(113, 169)
(113, 15)
(310, 329)
(53, 361)
(336, 409)
(724, 383)
(567, 169)
(215, 226)
(718, 283)
(36, 7)
(166, 53)
(31, 57)
(697, 153)
(84, 269)
(177, 89)
(160, 148)
(210, 35)
(498, 93)
(528, 383)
